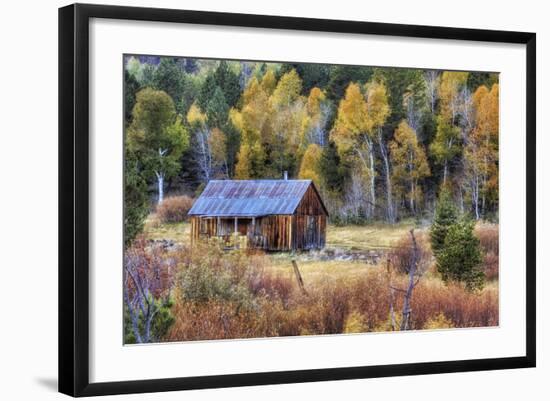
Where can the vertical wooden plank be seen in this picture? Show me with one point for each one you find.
(192, 233)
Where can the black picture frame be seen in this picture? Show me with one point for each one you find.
(74, 198)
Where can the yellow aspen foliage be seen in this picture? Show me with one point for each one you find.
(269, 82)
(236, 119)
(352, 119)
(195, 115)
(287, 91)
(446, 144)
(378, 108)
(218, 148)
(481, 153)
(449, 87)
(250, 162)
(243, 166)
(314, 119)
(350, 131)
(314, 100)
(358, 115)
(361, 114)
(487, 116)
(256, 114)
(251, 91)
(409, 163)
(309, 169)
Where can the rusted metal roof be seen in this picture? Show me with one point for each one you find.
(234, 198)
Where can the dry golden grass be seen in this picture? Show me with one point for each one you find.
(177, 232)
(372, 236)
(319, 270)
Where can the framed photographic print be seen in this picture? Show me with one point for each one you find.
(249, 199)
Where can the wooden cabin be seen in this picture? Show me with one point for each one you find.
(274, 215)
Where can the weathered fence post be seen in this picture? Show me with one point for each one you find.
(299, 277)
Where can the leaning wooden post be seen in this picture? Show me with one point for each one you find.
(299, 277)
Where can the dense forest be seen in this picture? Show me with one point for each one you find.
(379, 143)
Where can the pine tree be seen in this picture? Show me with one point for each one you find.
(169, 77)
(460, 259)
(340, 76)
(331, 169)
(217, 109)
(445, 217)
(207, 91)
(131, 87)
(136, 205)
(228, 82)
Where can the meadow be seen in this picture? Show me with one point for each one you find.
(211, 293)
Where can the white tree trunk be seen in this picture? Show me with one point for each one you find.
(389, 198)
(372, 186)
(160, 176)
(476, 196)
(431, 86)
(204, 153)
(160, 185)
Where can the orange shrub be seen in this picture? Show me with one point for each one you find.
(461, 307)
(401, 253)
(272, 286)
(488, 239)
(431, 298)
(223, 295)
(210, 321)
(174, 209)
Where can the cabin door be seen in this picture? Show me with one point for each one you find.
(310, 232)
(243, 225)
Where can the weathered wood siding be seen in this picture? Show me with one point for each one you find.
(310, 222)
(310, 204)
(310, 232)
(305, 229)
(202, 228)
(273, 233)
